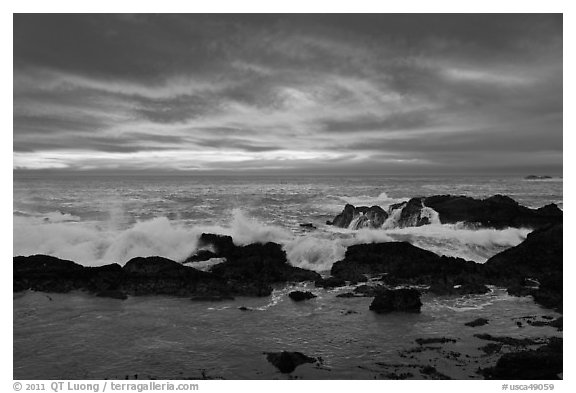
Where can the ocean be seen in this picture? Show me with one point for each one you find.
(96, 220)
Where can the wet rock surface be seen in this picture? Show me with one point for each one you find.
(286, 362)
(397, 300)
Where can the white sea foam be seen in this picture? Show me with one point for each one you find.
(97, 243)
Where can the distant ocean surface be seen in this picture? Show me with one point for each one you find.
(98, 220)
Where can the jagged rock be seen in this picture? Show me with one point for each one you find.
(298, 296)
(287, 362)
(360, 217)
(251, 270)
(404, 299)
(540, 256)
(497, 211)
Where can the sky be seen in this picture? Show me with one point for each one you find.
(300, 93)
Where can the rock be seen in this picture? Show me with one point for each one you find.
(404, 263)
(114, 294)
(543, 363)
(498, 211)
(162, 276)
(360, 217)
(404, 300)
(330, 282)
(477, 322)
(540, 256)
(47, 274)
(511, 341)
(536, 177)
(200, 256)
(287, 362)
(308, 226)
(298, 296)
(255, 266)
(412, 214)
(435, 340)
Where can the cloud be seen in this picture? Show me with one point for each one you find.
(323, 93)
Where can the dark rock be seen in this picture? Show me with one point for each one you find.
(162, 276)
(298, 296)
(360, 217)
(435, 340)
(244, 308)
(511, 341)
(308, 226)
(536, 177)
(404, 263)
(477, 322)
(557, 323)
(330, 282)
(251, 270)
(491, 348)
(544, 363)
(287, 362)
(47, 274)
(201, 255)
(540, 256)
(404, 300)
(498, 211)
(114, 294)
(411, 215)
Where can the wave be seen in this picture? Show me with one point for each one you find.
(98, 243)
(382, 200)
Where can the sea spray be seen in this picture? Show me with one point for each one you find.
(92, 243)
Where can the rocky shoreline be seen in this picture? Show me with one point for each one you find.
(533, 268)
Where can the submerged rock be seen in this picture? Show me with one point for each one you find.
(298, 296)
(287, 362)
(477, 322)
(545, 362)
(404, 300)
(435, 340)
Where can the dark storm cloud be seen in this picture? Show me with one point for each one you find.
(291, 92)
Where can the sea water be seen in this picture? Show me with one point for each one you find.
(96, 220)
